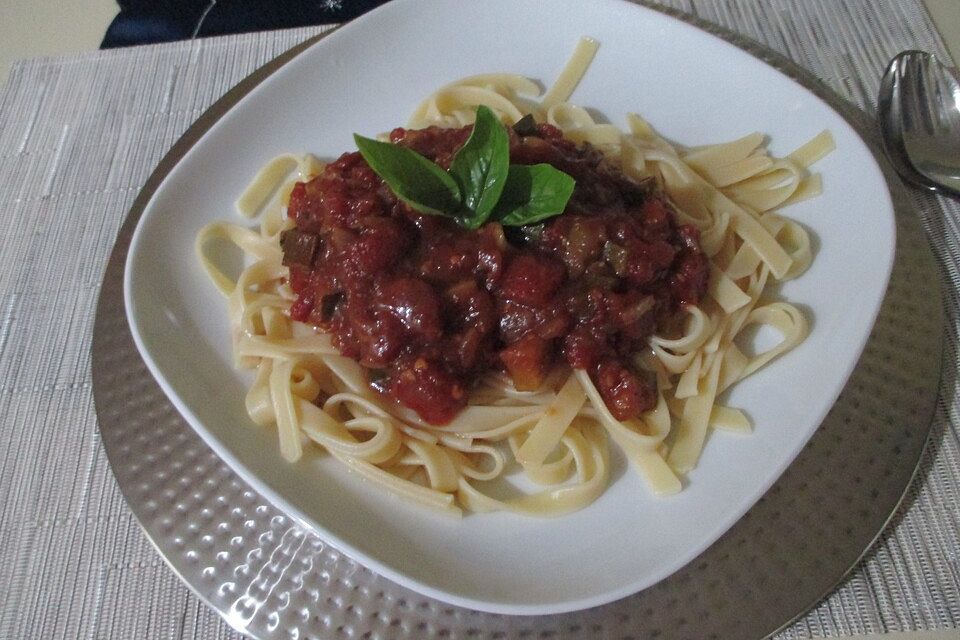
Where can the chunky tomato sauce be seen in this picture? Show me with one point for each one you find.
(427, 306)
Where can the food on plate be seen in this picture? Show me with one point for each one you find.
(505, 285)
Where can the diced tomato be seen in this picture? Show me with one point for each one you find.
(532, 279)
(582, 349)
(301, 308)
(689, 282)
(415, 305)
(625, 395)
(297, 200)
(528, 362)
(430, 390)
(655, 215)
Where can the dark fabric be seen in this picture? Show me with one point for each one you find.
(151, 21)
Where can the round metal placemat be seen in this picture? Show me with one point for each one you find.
(269, 577)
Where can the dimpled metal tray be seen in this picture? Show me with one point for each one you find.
(270, 577)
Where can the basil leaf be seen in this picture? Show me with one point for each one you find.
(533, 193)
(414, 179)
(480, 167)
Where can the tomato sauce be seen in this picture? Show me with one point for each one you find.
(427, 306)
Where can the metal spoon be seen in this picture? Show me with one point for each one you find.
(919, 111)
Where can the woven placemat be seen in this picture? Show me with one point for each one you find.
(78, 138)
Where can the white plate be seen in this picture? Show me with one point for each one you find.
(367, 78)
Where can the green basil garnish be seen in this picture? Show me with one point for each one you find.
(480, 167)
(533, 193)
(414, 179)
(481, 182)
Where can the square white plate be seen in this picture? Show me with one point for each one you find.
(367, 77)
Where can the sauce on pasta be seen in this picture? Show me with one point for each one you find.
(426, 306)
(656, 270)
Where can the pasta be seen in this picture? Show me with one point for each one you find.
(556, 436)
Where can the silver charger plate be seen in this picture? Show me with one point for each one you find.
(271, 577)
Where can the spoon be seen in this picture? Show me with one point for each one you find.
(919, 111)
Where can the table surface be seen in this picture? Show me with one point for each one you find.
(78, 137)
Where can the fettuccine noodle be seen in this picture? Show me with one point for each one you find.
(558, 435)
